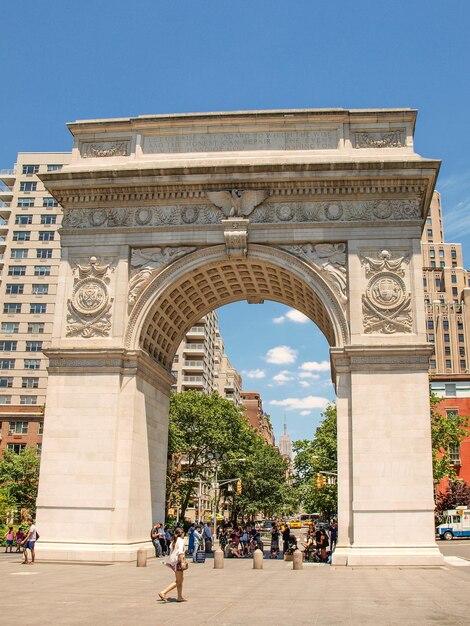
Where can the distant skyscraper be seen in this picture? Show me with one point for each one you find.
(285, 443)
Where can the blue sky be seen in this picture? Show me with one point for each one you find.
(69, 60)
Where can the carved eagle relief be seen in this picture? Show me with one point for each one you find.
(236, 203)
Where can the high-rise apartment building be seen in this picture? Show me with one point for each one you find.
(257, 418)
(30, 249)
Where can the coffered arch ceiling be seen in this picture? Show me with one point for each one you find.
(205, 280)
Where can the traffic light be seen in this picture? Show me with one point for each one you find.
(320, 481)
(239, 487)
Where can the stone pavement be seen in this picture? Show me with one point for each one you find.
(124, 595)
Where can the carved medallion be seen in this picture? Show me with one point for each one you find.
(143, 216)
(89, 297)
(285, 212)
(190, 214)
(334, 211)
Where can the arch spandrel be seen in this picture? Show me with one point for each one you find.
(204, 280)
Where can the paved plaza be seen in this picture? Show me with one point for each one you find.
(124, 595)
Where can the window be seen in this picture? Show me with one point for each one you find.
(42, 270)
(18, 428)
(28, 186)
(448, 364)
(48, 219)
(32, 364)
(40, 428)
(442, 264)
(10, 327)
(35, 327)
(453, 278)
(7, 364)
(429, 221)
(28, 399)
(19, 253)
(32, 346)
(5, 399)
(38, 449)
(429, 232)
(446, 337)
(176, 358)
(454, 263)
(48, 203)
(6, 381)
(441, 253)
(432, 364)
(37, 308)
(461, 338)
(40, 289)
(21, 235)
(17, 270)
(46, 235)
(29, 382)
(459, 325)
(455, 291)
(17, 448)
(425, 282)
(438, 282)
(30, 169)
(25, 202)
(453, 254)
(432, 254)
(8, 346)
(433, 263)
(24, 219)
(463, 364)
(445, 324)
(450, 390)
(44, 253)
(430, 325)
(447, 351)
(11, 307)
(54, 167)
(462, 351)
(454, 457)
(14, 288)
(431, 337)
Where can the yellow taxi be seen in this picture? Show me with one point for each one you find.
(295, 523)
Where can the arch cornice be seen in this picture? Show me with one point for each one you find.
(192, 262)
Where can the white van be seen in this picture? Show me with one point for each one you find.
(456, 523)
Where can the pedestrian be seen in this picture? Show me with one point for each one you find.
(191, 539)
(29, 542)
(178, 565)
(285, 538)
(197, 541)
(155, 541)
(223, 538)
(168, 539)
(322, 543)
(161, 538)
(19, 539)
(333, 534)
(9, 538)
(207, 538)
(274, 540)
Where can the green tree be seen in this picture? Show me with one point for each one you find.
(447, 430)
(199, 425)
(19, 478)
(312, 458)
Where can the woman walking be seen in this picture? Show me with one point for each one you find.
(177, 563)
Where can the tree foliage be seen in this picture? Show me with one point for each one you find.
(315, 456)
(447, 430)
(19, 479)
(456, 494)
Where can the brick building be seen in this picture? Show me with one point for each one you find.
(257, 418)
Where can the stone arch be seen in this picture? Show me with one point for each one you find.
(207, 279)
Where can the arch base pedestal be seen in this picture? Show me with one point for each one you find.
(420, 556)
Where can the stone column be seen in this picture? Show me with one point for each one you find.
(102, 481)
(391, 497)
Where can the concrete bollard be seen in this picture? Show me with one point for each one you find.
(257, 559)
(142, 557)
(218, 559)
(298, 561)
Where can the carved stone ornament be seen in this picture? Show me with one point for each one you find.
(236, 203)
(264, 212)
(94, 149)
(236, 237)
(147, 263)
(391, 139)
(89, 307)
(329, 259)
(386, 306)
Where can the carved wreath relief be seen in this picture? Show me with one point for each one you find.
(386, 306)
(89, 307)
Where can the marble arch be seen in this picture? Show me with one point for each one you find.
(168, 217)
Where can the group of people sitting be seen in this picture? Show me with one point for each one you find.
(320, 543)
(240, 542)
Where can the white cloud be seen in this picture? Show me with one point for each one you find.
(309, 402)
(254, 373)
(283, 377)
(304, 383)
(281, 355)
(309, 375)
(304, 413)
(278, 320)
(315, 366)
(296, 316)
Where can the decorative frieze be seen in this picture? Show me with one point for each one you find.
(386, 305)
(327, 258)
(100, 149)
(264, 213)
(389, 139)
(236, 203)
(89, 307)
(241, 141)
